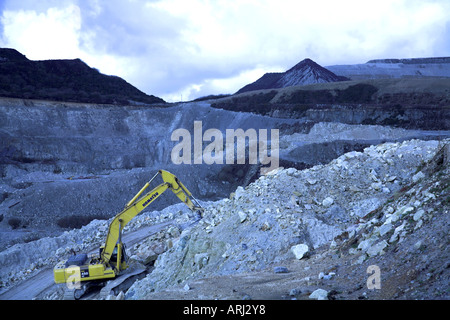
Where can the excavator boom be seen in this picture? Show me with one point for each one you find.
(137, 204)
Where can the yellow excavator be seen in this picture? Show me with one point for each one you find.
(79, 271)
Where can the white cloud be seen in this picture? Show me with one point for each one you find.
(49, 35)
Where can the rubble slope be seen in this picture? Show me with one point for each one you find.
(359, 208)
(354, 199)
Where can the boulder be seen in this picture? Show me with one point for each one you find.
(327, 202)
(300, 250)
(377, 248)
(319, 294)
(280, 270)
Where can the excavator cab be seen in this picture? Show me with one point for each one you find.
(114, 256)
(123, 257)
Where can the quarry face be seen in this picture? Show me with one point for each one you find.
(62, 160)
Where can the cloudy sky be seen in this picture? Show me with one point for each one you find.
(183, 49)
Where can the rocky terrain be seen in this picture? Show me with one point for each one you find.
(292, 234)
(360, 201)
(84, 162)
(395, 68)
(308, 72)
(303, 73)
(357, 208)
(415, 103)
(80, 160)
(319, 229)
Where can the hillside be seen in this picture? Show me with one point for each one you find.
(395, 68)
(64, 80)
(304, 73)
(402, 102)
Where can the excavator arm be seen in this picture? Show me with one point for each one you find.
(137, 204)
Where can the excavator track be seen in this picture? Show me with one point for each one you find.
(79, 293)
(74, 294)
(69, 294)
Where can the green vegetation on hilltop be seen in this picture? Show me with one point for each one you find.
(64, 80)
